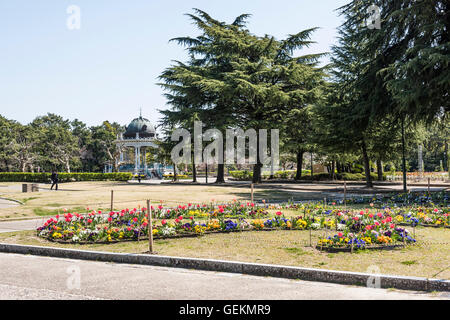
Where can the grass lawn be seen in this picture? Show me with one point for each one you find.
(430, 258)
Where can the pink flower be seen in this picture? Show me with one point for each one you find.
(109, 219)
(163, 222)
(279, 213)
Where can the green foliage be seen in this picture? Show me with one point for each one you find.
(63, 177)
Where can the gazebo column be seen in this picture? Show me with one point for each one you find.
(139, 158)
(145, 160)
(136, 159)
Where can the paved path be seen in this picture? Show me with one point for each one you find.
(33, 277)
(20, 225)
(8, 203)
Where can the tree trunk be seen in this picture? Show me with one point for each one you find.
(299, 164)
(220, 173)
(175, 178)
(405, 188)
(369, 183)
(379, 170)
(257, 173)
(338, 167)
(446, 164)
(333, 175)
(194, 170)
(257, 167)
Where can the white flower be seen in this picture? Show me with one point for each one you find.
(315, 226)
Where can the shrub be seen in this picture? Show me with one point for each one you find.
(241, 175)
(44, 177)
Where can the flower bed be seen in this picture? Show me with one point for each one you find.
(373, 237)
(360, 230)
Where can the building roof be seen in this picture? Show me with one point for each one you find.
(142, 126)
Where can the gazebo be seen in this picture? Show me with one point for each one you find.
(139, 134)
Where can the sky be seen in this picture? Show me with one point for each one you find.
(108, 68)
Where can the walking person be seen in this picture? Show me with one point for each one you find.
(54, 179)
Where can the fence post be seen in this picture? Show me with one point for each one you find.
(351, 251)
(310, 235)
(112, 200)
(404, 240)
(150, 228)
(345, 195)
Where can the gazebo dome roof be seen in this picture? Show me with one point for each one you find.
(142, 126)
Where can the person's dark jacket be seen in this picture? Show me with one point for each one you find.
(54, 176)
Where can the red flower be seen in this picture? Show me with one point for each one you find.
(109, 219)
(279, 213)
(163, 222)
(340, 235)
(89, 221)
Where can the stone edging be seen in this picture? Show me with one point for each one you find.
(308, 274)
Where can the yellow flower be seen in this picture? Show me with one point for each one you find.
(155, 231)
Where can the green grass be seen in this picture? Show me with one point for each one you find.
(296, 251)
(409, 262)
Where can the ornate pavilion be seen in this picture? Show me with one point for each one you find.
(140, 134)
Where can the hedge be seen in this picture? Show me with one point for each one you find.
(44, 177)
(247, 175)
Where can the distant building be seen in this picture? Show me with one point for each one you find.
(140, 134)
